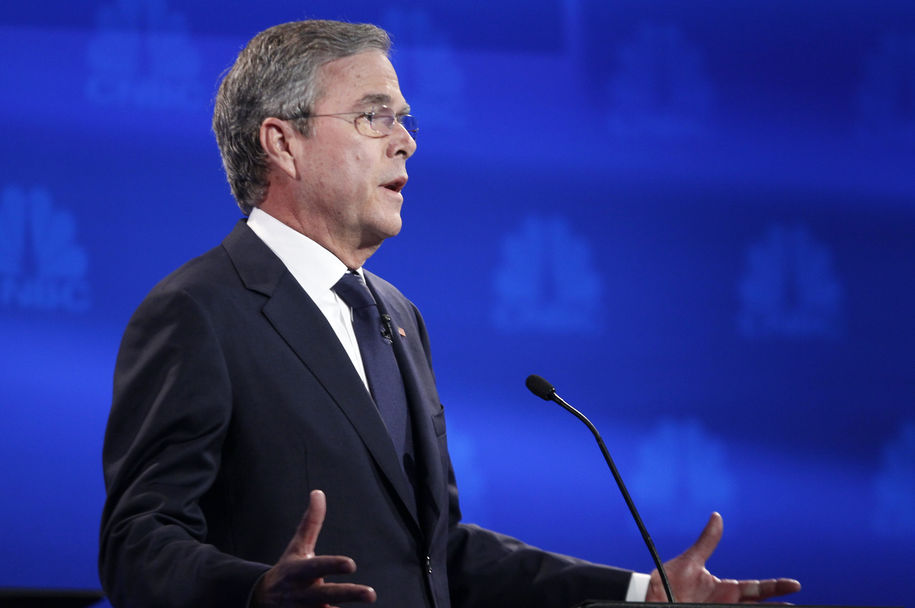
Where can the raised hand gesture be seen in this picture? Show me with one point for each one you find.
(693, 583)
(297, 579)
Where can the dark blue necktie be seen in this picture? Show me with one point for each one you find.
(385, 382)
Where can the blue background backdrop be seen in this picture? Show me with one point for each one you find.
(697, 219)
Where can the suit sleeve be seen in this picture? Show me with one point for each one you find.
(171, 406)
(486, 568)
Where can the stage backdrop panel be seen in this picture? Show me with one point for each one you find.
(697, 219)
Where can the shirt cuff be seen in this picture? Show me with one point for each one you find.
(638, 587)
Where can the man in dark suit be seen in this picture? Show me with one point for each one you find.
(247, 391)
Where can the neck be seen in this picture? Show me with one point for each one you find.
(349, 251)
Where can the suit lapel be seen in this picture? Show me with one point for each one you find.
(425, 441)
(303, 327)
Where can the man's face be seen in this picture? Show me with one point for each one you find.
(350, 183)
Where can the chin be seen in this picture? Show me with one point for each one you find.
(394, 229)
(392, 224)
(384, 230)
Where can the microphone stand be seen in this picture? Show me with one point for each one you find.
(545, 390)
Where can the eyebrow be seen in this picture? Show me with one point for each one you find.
(380, 98)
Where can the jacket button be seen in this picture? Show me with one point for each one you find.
(428, 565)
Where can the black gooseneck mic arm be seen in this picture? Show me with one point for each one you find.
(545, 391)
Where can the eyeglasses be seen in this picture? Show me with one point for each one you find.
(377, 123)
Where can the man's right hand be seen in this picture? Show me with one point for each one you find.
(297, 579)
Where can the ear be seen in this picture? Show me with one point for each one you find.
(278, 139)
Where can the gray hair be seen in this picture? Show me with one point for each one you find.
(276, 74)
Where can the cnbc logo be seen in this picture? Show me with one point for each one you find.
(41, 265)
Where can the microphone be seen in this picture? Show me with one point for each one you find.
(543, 389)
(387, 330)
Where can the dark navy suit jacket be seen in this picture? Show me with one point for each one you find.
(233, 399)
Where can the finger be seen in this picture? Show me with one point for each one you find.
(775, 587)
(750, 590)
(705, 545)
(306, 535)
(335, 593)
(727, 591)
(306, 571)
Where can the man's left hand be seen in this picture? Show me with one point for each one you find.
(692, 583)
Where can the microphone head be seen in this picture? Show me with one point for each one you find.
(540, 387)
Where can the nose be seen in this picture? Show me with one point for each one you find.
(401, 142)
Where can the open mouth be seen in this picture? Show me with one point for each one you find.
(396, 185)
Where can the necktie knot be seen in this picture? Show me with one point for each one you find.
(353, 290)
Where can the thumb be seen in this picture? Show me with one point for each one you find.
(708, 540)
(306, 535)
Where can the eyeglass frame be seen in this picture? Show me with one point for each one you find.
(370, 117)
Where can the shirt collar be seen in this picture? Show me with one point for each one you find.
(315, 268)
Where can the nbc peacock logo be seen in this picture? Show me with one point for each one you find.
(42, 267)
(547, 280)
(790, 287)
(142, 55)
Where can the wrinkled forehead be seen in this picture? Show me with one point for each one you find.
(364, 79)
